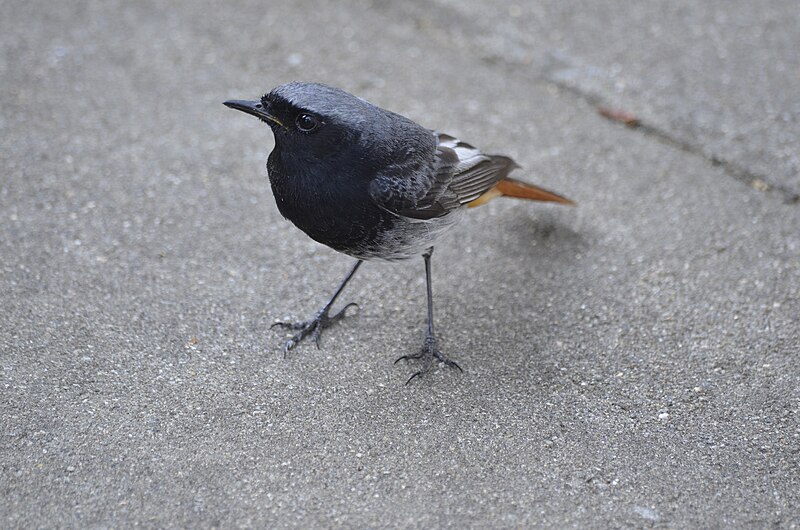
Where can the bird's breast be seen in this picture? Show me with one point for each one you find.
(331, 208)
(337, 210)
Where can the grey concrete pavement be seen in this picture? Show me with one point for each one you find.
(717, 78)
(630, 362)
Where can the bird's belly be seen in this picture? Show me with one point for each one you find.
(404, 238)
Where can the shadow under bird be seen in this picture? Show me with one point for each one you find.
(373, 185)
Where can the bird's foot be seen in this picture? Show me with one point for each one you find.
(313, 327)
(426, 355)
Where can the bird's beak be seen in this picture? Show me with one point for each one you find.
(256, 108)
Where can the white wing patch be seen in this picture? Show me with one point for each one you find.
(468, 156)
(475, 173)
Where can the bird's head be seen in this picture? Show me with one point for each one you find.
(314, 122)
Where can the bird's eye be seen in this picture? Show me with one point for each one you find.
(307, 122)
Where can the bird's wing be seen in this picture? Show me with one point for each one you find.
(458, 174)
(418, 187)
(475, 173)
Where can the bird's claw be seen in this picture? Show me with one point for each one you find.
(426, 355)
(312, 327)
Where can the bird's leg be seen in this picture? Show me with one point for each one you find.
(321, 320)
(429, 349)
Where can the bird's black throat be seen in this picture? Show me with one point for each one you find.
(332, 208)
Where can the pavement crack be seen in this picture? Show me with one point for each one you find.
(563, 73)
(449, 27)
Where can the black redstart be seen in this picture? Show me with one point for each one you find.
(373, 185)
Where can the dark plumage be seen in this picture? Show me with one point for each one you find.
(372, 184)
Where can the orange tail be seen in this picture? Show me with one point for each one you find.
(509, 187)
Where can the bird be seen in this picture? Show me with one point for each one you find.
(374, 185)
